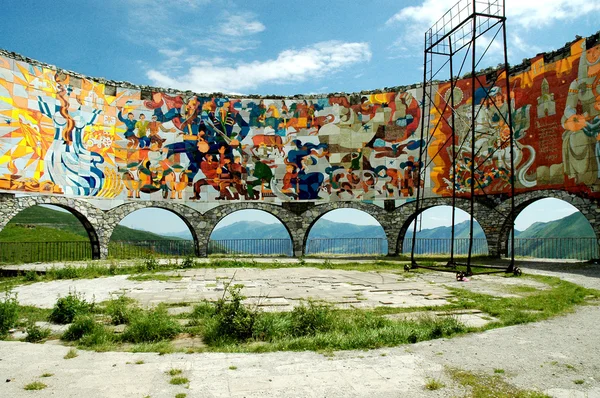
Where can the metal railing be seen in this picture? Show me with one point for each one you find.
(137, 249)
(364, 246)
(33, 252)
(259, 247)
(552, 248)
(559, 248)
(442, 246)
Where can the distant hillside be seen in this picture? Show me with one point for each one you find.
(572, 226)
(39, 224)
(536, 241)
(250, 230)
(461, 230)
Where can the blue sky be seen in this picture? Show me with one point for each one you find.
(265, 47)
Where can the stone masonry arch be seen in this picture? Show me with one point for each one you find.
(487, 218)
(588, 207)
(313, 214)
(288, 218)
(193, 219)
(90, 216)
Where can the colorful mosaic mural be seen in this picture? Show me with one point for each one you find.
(556, 119)
(61, 134)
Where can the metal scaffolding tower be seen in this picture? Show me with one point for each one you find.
(471, 32)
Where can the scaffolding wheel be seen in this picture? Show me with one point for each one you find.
(406, 267)
(460, 276)
(517, 272)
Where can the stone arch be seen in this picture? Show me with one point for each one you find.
(192, 219)
(288, 218)
(312, 215)
(407, 213)
(588, 207)
(90, 216)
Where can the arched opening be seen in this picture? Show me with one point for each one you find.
(44, 232)
(153, 231)
(252, 232)
(346, 232)
(552, 228)
(434, 233)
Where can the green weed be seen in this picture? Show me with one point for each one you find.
(71, 354)
(433, 384)
(120, 309)
(232, 320)
(151, 326)
(179, 381)
(35, 334)
(483, 386)
(9, 313)
(36, 385)
(66, 308)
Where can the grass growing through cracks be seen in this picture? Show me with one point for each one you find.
(482, 386)
(229, 325)
(36, 385)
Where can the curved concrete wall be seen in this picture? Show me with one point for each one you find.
(63, 134)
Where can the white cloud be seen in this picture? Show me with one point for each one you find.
(523, 16)
(290, 66)
(240, 25)
(227, 44)
(528, 14)
(525, 47)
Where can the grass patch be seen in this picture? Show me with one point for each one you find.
(89, 334)
(9, 313)
(47, 375)
(499, 371)
(36, 385)
(163, 347)
(66, 308)
(233, 367)
(230, 326)
(140, 362)
(578, 381)
(482, 386)
(174, 372)
(71, 354)
(180, 395)
(151, 326)
(29, 314)
(36, 334)
(120, 309)
(433, 384)
(177, 381)
(561, 297)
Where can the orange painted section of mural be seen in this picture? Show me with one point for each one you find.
(65, 135)
(556, 120)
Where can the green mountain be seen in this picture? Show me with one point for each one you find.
(40, 224)
(461, 231)
(250, 230)
(569, 237)
(572, 226)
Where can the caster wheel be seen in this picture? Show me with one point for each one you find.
(460, 276)
(406, 268)
(517, 272)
